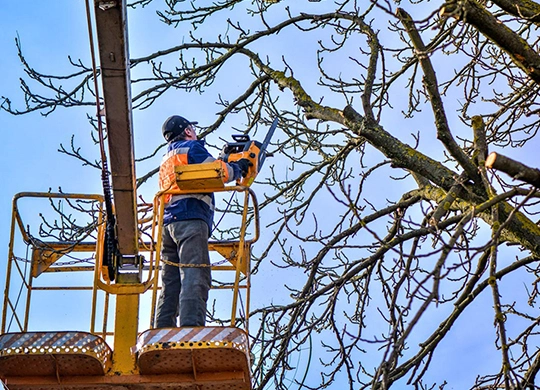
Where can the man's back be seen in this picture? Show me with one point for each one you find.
(189, 206)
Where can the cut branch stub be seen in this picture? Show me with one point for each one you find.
(473, 13)
(517, 170)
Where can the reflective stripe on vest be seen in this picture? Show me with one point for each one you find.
(167, 176)
(202, 197)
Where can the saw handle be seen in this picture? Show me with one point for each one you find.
(254, 151)
(250, 152)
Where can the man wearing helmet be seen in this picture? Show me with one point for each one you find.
(187, 224)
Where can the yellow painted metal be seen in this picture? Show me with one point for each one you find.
(248, 296)
(44, 254)
(63, 288)
(157, 229)
(79, 268)
(127, 296)
(55, 354)
(125, 334)
(207, 176)
(196, 351)
(40, 249)
(206, 381)
(9, 266)
(229, 250)
(43, 259)
(104, 333)
(28, 299)
(121, 288)
(242, 262)
(238, 252)
(124, 289)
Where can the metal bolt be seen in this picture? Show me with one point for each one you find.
(105, 5)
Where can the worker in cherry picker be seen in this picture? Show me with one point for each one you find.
(187, 224)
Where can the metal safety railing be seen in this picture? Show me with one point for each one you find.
(237, 252)
(42, 256)
(31, 336)
(48, 257)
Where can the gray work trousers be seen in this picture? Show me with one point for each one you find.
(184, 290)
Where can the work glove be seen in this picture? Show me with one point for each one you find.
(244, 165)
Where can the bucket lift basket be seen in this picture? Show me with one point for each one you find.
(203, 358)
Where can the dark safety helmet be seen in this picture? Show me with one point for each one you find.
(175, 126)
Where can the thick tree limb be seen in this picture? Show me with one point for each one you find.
(311, 109)
(432, 85)
(401, 154)
(529, 379)
(527, 9)
(520, 228)
(446, 204)
(471, 12)
(517, 170)
(480, 142)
